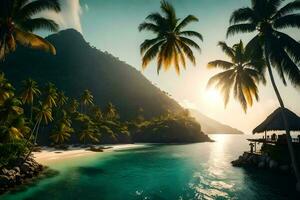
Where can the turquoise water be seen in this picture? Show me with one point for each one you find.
(192, 171)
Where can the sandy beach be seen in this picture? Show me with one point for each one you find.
(49, 154)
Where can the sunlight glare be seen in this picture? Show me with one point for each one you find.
(213, 96)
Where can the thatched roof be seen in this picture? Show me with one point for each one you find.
(274, 122)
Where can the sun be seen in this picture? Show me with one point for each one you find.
(212, 96)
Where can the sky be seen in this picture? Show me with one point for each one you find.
(112, 26)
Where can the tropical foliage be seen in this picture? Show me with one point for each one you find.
(172, 44)
(18, 21)
(241, 74)
(268, 18)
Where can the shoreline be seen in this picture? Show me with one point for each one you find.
(50, 154)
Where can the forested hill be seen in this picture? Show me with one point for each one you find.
(79, 66)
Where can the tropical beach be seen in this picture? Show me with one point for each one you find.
(161, 99)
(48, 155)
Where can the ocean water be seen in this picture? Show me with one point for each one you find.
(161, 172)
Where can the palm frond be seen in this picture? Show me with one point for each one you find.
(291, 46)
(192, 33)
(187, 20)
(242, 15)
(240, 28)
(187, 51)
(39, 23)
(190, 42)
(155, 18)
(151, 53)
(288, 21)
(283, 63)
(148, 43)
(287, 9)
(37, 6)
(221, 64)
(226, 49)
(169, 11)
(33, 41)
(149, 27)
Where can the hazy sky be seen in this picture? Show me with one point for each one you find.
(111, 25)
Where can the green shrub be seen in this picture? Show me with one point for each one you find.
(9, 152)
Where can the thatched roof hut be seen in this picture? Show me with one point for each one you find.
(274, 122)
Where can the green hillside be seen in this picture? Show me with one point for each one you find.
(78, 66)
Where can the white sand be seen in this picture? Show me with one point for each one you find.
(50, 154)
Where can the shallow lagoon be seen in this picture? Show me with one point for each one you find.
(192, 171)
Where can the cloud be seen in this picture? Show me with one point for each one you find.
(70, 14)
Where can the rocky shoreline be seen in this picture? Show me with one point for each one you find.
(21, 173)
(260, 161)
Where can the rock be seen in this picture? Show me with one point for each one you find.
(25, 167)
(4, 180)
(4, 171)
(273, 164)
(17, 169)
(96, 149)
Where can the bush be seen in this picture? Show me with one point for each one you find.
(9, 152)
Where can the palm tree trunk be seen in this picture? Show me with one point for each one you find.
(31, 108)
(286, 124)
(30, 150)
(31, 134)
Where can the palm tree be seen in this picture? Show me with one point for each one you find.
(29, 92)
(73, 106)
(62, 99)
(10, 109)
(62, 132)
(88, 134)
(96, 113)
(43, 115)
(50, 95)
(241, 74)
(17, 24)
(267, 18)
(171, 44)
(6, 89)
(111, 111)
(86, 99)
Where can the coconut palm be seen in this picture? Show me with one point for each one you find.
(73, 106)
(111, 111)
(50, 95)
(17, 24)
(6, 89)
(29, 92)
(241, 74)
(96, 113)
(88, 134)
(86, 99)
(43, 115)
(268, 18)
(62, 99)
(10, 109)
(62, 131)
(172, 44)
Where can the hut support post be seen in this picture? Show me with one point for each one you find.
(266, 135)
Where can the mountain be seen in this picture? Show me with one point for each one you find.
(79, 66)
(211, 126)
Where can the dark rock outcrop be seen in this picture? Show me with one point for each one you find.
(11, 177)
(261, 162)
